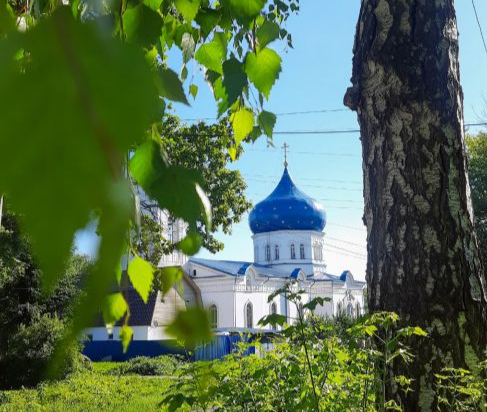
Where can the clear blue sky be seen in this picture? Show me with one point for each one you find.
(315, 76)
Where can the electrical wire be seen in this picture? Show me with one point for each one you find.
(480, 26)
(281, 114)
(276, 178)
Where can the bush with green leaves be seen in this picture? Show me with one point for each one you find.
(141, 365)
(30, 351)
(315, 364)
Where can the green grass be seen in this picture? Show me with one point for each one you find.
(97, 390)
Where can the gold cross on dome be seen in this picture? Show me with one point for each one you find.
(285, 147)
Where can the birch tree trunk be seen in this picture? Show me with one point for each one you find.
(423, 256)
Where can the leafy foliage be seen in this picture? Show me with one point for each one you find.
(104, 67)
(190, 327)
(477, 173)
(26, 310)
(31, 349)
(140, 365)
(312, 365)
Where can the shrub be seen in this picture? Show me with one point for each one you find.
(30, 351)
(141, 365)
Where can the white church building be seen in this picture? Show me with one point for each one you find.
(288, 239)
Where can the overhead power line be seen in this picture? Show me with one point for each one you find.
(351, 189)
(480, 26)
(360, 229)
(309, 153)
(303, 132)
(276, 178)
(344, 249)
(281, 114)
(343, 254)
(347, 242)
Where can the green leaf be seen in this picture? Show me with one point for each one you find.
(170, 86)
(187, 46)
(7, 19)
(232, 151)
(188, 8)
(114, 308)
(193, 90)
(207, 19)
(268, 32)
(153, 4)
(95, 82)
(142, 25)
(263, 69)
(242, 124)
(174, 188)
(191, 244)
(168, 31)
(126, 334)
(273, 320)
(211, 55)
(267, 121)
(244, 10)
(168, 276)
(190, 326)
(234, 80)
(311, 305)
(112, 229)
(141, 274)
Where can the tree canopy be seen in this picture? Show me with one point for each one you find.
(98, 75)
(477, 172)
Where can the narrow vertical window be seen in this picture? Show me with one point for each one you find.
(293, 252)
(249, 315)
(273, 308)
(350, 310)
(256, 253)
(301, 251)
(357, 310)
(274, 312)
(276, 252)
(194, 272)
(213, 316)
(268, 252)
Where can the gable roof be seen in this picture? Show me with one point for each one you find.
(140, 313)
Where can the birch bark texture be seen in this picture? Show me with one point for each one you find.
(423, 256)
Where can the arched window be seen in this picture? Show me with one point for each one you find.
(357, 309)
(249, 315)
(213, 311)
(273, 312)
(194, 272)
(268, 252)
(350, 310)
(318, 252)
(276, 252)
(293, 252)
(301, 251)
(273, 308)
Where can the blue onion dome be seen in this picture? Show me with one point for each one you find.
(287, 208)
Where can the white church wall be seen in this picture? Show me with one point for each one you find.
(157, 333)
(223, 299)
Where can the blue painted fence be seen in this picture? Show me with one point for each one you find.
(220, 346)
(112, 349)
